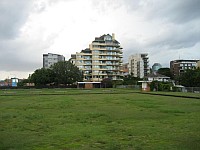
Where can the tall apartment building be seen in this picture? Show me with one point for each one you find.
(179, 66)
(139, 65)
(101, 60)
(50, 59)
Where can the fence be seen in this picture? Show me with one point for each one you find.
(136, 87)
(191, 89)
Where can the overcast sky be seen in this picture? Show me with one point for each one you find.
(166, 29)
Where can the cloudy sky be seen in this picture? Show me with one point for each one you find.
(166, 29)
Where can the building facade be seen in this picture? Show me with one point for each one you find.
(124, 68)
(102, 59)
(180, 66)
(198, 64)
(139, 65)
(50, 59)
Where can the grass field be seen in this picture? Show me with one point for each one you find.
(108, 119)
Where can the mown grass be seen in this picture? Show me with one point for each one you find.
(82, 119)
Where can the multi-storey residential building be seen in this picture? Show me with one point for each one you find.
(139, 65)
(101, 60)
(50, 59)
(124, 68)
(179, 66)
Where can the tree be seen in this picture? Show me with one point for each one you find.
(165, 71)
(190, 78)
(42, 76)
(23, 82)
(160, 86)
(107, 83)
(130, 80)
(66, 73)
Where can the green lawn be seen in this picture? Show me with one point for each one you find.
(97, 119)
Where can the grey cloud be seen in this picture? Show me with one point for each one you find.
(13, 14)
(182, 11)
(17, 56)
(23, 54)
(176, 38)
(179, 11)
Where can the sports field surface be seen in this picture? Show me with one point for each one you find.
(110, 119)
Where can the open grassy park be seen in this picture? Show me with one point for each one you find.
(109, 119)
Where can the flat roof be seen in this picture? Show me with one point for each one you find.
(87, 82)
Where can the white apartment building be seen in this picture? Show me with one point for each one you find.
(139, 65)
(50, 59)
(101, 60)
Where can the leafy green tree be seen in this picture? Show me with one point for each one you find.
(160, 86)
(66, 73)
(190, 78)
(42, 76)
(23, 82)
(165, 71)
(107, 83)
(130, 80)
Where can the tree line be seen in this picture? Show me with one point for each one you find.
(65, 73)
(61, 73)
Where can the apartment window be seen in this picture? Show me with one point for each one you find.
(80, 67)
(87, 57)
(95, 51)
(109, 48)
(107, 38)
(87, 67)
(193, 64)
(109, 57)
(96, 56)
(95, 66)
(95, 71)
(96, 46)
(87, 62)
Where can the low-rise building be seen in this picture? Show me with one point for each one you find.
(157, 77)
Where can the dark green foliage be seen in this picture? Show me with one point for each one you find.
(190, 78)
(107, 83)
(130, 80)
(66, 73)
(165, 71)
(160, 86)
(60, 73)
(42, 76)
(117, 82)
(21, 84)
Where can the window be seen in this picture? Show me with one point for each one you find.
(95, 66)
(109, 48)
(107, 38)
(95, 61)
(95, 51)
